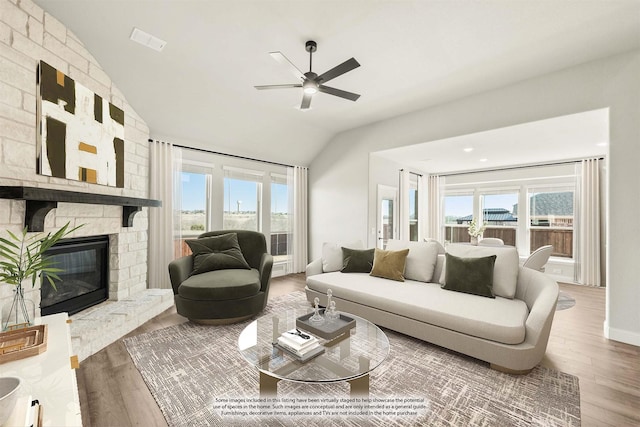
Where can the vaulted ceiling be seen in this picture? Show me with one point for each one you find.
(414, 54)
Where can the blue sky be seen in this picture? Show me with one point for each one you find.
(459, 206)
(193, 194)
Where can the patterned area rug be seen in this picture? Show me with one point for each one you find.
(193, 371)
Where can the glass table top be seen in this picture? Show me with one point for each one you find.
(350, 356)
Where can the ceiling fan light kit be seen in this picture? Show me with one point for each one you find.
(311, 82)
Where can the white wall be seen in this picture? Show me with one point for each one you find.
(338, 177)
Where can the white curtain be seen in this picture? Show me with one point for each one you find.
(164, 177)
(587, 232)
(298, 209)
(403, 213)
(434, 203)
(423, 207)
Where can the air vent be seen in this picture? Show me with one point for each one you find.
(148, 40)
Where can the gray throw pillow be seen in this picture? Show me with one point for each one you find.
(470, 275)
(217, 253)
(357, 260)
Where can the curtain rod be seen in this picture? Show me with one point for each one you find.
(567, 162)
(413, 173)
(229, 155)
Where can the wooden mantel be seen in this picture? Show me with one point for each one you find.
(41, 200)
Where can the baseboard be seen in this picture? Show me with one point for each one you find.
(621, 335)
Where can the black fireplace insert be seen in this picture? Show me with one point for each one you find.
(84, 279)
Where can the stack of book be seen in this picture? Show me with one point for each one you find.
(300, 344)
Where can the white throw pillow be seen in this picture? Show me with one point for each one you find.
(421, 261)
(505, 270)
(441, 249)
(332, 255)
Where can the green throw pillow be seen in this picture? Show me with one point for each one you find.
(217, 253)
(389, 264)
(357, 261)
(470, 275)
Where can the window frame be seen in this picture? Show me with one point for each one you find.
(523, 225)
(551, 188)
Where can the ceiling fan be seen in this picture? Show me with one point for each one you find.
(310, 82)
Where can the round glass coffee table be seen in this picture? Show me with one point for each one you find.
(349, 357)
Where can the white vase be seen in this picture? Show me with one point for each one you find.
(474, 240)
(19, 312)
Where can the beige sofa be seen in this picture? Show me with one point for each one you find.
(510, 333)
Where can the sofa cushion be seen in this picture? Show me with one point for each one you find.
(438, 271)
(421, 261)
(389, 264)
(441, 249)
(221, 285)
(505, 271)
(470, 275)
(332, 255)
(217, 253)
(357, 260)
(496, 319)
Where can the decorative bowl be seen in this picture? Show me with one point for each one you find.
(8, 395)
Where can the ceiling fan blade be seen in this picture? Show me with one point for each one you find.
(278, 56)
(337, 92)
(306, 101)
(338, 70)
(277, 86)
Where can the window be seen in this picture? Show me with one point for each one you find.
(242, 197)
(218, 192)
(551, 220)
(194, 217)
(458, 212)
(498, 212)
(280, 226)
(413, 208)
(194, 212)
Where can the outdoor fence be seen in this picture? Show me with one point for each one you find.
(278, 244)
(562, 240)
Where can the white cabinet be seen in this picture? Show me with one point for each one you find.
(49, 377)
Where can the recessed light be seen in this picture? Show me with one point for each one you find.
(483, 160)
(602, 144)
(148, 40)
(468, 150)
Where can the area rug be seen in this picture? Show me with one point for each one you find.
(565, 301)
(194, 372)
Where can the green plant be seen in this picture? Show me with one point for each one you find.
(24, 256)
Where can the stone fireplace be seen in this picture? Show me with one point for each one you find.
(127, 303)
(32, 35)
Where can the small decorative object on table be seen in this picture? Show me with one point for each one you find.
(299, 344)
(327, 330)
(475, 231)
(317, 317)
(330, 313)
(22, 342)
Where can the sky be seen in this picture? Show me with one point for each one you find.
(460, 206)
(193, 194)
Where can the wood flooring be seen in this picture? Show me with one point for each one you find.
(112, 392)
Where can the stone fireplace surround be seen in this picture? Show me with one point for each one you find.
(28, 35)
(130, 303)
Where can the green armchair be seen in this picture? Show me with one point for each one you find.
(215, 294)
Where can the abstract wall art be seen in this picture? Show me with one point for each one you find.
(81, 135)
